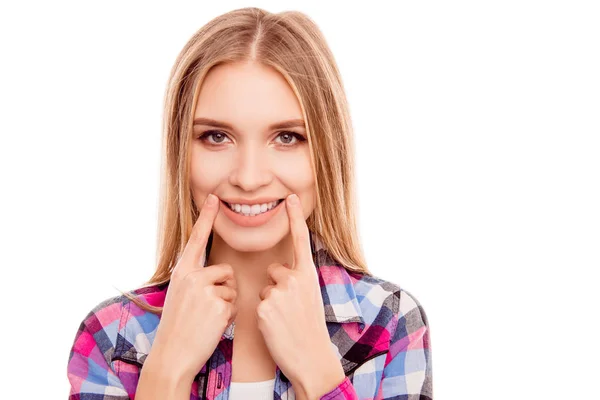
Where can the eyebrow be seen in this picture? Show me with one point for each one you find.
(292, 123)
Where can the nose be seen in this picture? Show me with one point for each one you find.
(251, 168)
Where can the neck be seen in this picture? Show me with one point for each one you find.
(250, 267)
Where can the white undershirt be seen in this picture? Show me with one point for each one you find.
(252, 390)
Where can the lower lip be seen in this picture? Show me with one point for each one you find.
(250, 221)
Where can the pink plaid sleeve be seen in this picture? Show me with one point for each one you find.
(89, 367)
(344, 391)
(407, 370)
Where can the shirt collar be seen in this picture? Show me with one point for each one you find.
(337, 286)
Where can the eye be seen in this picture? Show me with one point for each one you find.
(288, 138)
(217, 135)
(219, 138)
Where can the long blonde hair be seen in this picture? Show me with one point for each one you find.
(291, 43)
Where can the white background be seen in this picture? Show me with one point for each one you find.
(477, 127)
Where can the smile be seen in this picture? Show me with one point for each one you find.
(252, 210)
(250, 216)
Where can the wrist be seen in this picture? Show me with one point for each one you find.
(320, 382)
(160, 381)
(164, 362)
(163, 367)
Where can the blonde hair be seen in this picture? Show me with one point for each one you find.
(291, 43)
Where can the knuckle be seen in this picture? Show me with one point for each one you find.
(191, 277)
(182, 276)
(196, 235)
(210, 291)
(220, 306)
(228, 268)
(226, 292)
(260, 310)
(292, 280)
(263, 310)
(274, 292)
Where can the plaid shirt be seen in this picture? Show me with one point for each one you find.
(379, 331)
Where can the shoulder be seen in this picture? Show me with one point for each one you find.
(109, 309)
(403, 322)
(109, 320)
(112, 330)
(384, 293)
(392, 307)
(103, 317)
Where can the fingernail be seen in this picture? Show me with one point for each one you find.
(293, 200)
(211, 200)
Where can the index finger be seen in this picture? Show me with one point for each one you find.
(299, 229)
(195, 248)
(231, 282)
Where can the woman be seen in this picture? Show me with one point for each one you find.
(255, 119)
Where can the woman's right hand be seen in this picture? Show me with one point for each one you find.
(199, 305)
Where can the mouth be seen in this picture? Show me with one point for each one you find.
(251, 211)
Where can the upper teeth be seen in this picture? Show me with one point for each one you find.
(254, 209)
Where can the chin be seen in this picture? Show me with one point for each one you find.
(254, 239)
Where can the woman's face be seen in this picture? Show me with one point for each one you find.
(250, 160)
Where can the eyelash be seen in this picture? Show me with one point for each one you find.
(204, 137)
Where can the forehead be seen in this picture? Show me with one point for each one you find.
(246, 95)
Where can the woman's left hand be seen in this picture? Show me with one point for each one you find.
(291, 315)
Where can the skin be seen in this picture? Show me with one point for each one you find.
(249, 162)
(291, 318)
(272, 263)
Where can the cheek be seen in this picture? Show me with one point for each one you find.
(296, 175)
(205, 174)
(298, 178)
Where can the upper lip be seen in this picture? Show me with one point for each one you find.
(260, 200)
